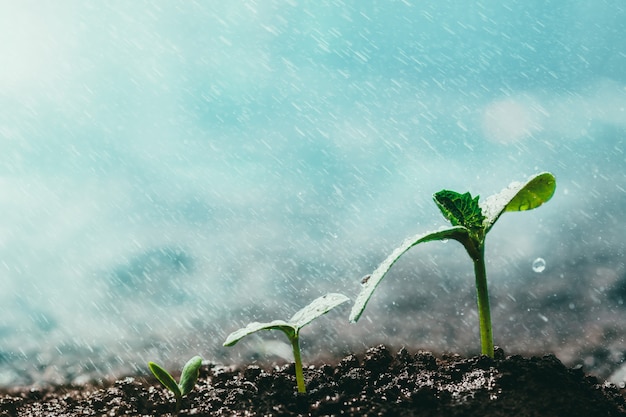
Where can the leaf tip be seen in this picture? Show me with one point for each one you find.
(229, 342)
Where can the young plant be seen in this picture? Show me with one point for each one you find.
(291, 328)
(470, 223)
(188, 378)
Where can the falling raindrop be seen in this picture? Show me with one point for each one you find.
(539, 265)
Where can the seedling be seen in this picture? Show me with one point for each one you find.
(188, 378)
(471, 221)
(291, 328)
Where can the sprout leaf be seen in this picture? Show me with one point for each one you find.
(237, 335)
(459, 233)
(165, 378)
(460, 209)
(519, 197)
(189, 375)
(318, 307)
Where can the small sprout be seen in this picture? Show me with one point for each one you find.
(188, 378)
(291, 328)
(471, 221)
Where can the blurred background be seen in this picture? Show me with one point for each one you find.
(170, 171)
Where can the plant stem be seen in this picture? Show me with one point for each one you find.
(295, 344)
(484, 312)
(179, 400)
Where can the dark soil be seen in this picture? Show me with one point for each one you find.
(376, 383)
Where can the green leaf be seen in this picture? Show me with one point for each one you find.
(460, 209)
(318, 307)
(189, 375)
(459, 233)
(165, 378)
(519, 197)
(289, 329)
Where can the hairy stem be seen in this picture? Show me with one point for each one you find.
(295, 344)
(484, 312)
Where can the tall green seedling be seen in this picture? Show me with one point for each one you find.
(470, 221)
(291, 328)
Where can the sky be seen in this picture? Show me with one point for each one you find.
(172, 168)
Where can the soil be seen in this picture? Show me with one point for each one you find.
(377, 382)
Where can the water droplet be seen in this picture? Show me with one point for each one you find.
(539, 265)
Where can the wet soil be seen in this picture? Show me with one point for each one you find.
(378, 382)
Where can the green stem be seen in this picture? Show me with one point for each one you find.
(484, 313)
(298, 362)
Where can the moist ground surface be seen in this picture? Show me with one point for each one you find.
(377, 382)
